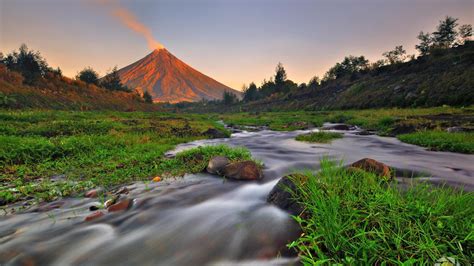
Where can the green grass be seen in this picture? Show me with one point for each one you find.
(87, 149)
(441, 141)
(319, 137)
(195, 160)
(357, 218)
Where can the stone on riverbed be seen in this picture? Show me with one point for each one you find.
(282, 195)
(372, 166)
(94, 216)
(123, 205)
(217, 164)
(246, 170)
(339, 127)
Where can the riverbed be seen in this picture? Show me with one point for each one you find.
(204, 219)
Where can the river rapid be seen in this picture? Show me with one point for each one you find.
(204, 219)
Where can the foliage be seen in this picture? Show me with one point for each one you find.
(29, 63)
(319, 137)
(396, 56)
(89, 76)
(465, 32)
(445, 33)
(354, 217)
(250, 93)
(229, 98)
(441, 141)
(350, 65)
(112, 81)
(147, 97)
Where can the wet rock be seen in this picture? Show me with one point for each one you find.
(93, 193)
(365, 133)
(122, 190)
(373, 166)
(402, 129)
(94, 216)
(339, 127)
(282, 195)
(217, 164)
(246, 170)
(214, 133)
(120, 206)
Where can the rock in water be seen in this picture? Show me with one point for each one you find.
(373, 166)
(282, 195)
(120, 206)
(214, 133)
(217, 164)
(246, 170)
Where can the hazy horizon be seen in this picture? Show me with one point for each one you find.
(234, 42)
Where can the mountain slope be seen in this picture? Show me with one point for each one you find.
(169, 79)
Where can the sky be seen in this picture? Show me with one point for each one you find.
(233, 41)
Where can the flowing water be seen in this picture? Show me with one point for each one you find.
(203, 219)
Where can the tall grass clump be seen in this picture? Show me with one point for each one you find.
(441, 141)
(356, 218)
(319, 137)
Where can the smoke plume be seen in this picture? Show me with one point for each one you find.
(129, 20)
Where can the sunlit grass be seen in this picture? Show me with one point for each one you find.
(441, 141)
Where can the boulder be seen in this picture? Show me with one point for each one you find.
(214, 133)
(217, 164)
(282, 196)
(246, 170)
(373, 166)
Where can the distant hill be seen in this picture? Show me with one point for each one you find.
(169, 79)
(445, 77)
(61, 93)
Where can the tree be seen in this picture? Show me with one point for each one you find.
(465, 33)
(350, 65)
(112, 81)
(426, 42)
(396, 56)
(314, 82)
(229, 98)
(89, 76)
(445, 33)
(30, 64)
(280, 77)
(250, 93)
(147, 97)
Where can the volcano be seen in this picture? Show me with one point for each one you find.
(169, 79)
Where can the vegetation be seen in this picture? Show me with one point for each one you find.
(354, 217)
(441, 74)
(319, 137)
(89, 76)
(49, 154)
(441, 141)
(147, 97)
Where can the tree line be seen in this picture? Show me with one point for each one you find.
(34, 69)
(448, 34)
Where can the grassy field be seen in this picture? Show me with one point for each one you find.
(355, 218)
(319, 137)
(45, 154)
(386, 122)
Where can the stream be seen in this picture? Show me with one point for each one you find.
(203, 219)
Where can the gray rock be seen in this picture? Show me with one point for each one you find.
(217, 164)
(214, 133)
